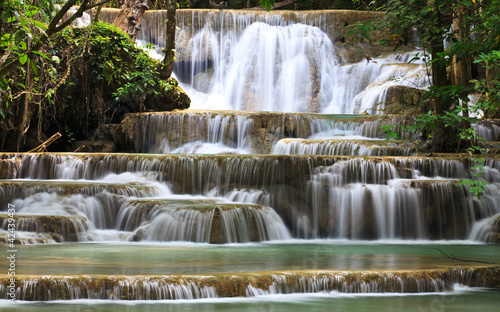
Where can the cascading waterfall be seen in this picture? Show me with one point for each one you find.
(198, 287)
(180, 225)
(288, 69)
(341, 147)
(216, 132)
(254, 61)
(275, 62)
(311, 196)
(238, 224)
(200, 133)
(282, 195)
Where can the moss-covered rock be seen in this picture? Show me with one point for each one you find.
(168, 100)
(406, 100)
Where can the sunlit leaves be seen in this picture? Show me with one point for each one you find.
(268, 4)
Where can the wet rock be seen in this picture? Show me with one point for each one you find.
(58, 227)
(9, 167)
(168, 100)
(496, 230)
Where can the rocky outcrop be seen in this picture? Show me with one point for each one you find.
(109, 138)
(9, 167)
(406, 100)
(168, 100)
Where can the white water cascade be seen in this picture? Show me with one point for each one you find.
(261, 62)
(231, 60)
(276, 187)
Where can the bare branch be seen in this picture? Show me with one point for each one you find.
(43, 147)
(453, 257)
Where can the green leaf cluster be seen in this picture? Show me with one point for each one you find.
(268, 4)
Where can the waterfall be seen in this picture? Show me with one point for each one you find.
(282, 67)
(314, 196)
(197, 133)
(288, 62)
(340, 147)
(267, 224)
(180, 225)
(316, 175)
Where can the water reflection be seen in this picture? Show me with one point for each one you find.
(138, 259)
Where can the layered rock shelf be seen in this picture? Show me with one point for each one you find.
(406, 197)
(53, 228)
(280, 180)
(44, 288)
(258, 132)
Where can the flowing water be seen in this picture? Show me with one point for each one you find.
(242, 60)
(274, 205)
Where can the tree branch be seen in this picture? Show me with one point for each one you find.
(453, 257)
(52, 29)
(43, 147)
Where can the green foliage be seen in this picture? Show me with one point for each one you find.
(489, 88)
(112, 70)
(476, 185)
(23, 24)
(362, 31)
(392, 132)
(268, 4)
(184, 4)
(430, 21)
(17, 23)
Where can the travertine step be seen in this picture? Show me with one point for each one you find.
(58, 228)
(340, 146)
(43, 288)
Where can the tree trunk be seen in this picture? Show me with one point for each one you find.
(462, 69)
(23, 118)
(443, 138)
(439, 77)
(130, 17)
(97, 11)
(167, 66)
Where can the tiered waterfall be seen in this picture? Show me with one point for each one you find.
(274, 158)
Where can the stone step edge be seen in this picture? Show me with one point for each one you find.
(12, 156)
(160, 287)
